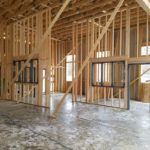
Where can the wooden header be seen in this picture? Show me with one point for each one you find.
(107, 59)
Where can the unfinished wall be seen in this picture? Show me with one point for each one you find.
(44, 74)
(140, 37)
(114, 44)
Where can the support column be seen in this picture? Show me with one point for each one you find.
(126, 105)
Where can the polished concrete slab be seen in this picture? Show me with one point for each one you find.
(78, 127)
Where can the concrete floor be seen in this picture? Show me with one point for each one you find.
(78, 127)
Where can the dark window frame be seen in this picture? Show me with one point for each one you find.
(112, 85)
(33, 71)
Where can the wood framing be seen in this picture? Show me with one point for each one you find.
(89, 55)
(39, 45)
(76, 50)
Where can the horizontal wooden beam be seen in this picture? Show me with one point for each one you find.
(108, 59)
(139, 60)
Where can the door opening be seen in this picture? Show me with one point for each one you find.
(139, 86)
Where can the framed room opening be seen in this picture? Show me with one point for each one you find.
(139, 80)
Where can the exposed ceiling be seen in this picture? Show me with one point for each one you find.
(12, 10)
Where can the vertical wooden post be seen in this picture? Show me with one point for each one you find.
(87, 87)
(147, 32)
(126, 105)
(137, 33)
(81, 51)
(120, 53)
(75, 37)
